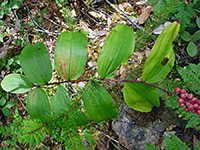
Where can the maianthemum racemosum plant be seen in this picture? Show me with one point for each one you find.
(70, 57)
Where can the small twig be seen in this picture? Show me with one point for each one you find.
(71, 88)
(118, 11)
(147, 45)
(90, 17)
(111, 138)
(35, 23)
(70, 134)
(23, 105)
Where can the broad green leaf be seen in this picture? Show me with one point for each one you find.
(16, 83)
(192, 49)
(10, 104)
(38, 105)
(117, 48)
(98, 103)
(198, 21)
(161, 59)
(140, 97)
(186, 36)
(70, 55)
(36, 63)
(196, 36)
(5, 111)
(14, 4)
(60, 102)
(2, 101)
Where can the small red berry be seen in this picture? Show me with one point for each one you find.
(190, 96)
(186, 109)
(198, 101)
(198, 112)
(181, 104)
(180, 100)
(194, 99)
(196, 106)
(193, 111)
(183, 96)
(187, 103)
(190, 107)
(183, 91)
(177, 90)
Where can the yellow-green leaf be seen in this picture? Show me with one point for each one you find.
(16, 83)
(140, 97)
(161, 59)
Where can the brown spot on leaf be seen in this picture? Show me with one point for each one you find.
(164, 61)
(39, 49)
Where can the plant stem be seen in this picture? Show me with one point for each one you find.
(71, 134)
(118, 80)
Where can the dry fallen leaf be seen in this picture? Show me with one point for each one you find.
(145, 14)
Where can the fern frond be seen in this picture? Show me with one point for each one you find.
(185, 14)
(77, 118)
(162, 5)
(30, 133)
(174, 143)
(171, 143)
(77, 139)
(151, 147)
(191, 77)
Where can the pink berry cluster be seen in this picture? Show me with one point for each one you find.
(188, 100)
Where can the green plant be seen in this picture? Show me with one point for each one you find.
(6, 9)
(172, 142)
(12, 134)
(60, 3)
(6, 105)
(187, 78)
(7, 6)
(185, 12)
(11, 64)
(8, 65)
(191, 48)
(70, 56)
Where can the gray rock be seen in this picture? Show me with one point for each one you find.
(135, 129)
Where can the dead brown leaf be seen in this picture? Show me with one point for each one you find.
(145, 14)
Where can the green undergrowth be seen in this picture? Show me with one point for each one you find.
(187, 77)
(172, 142)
